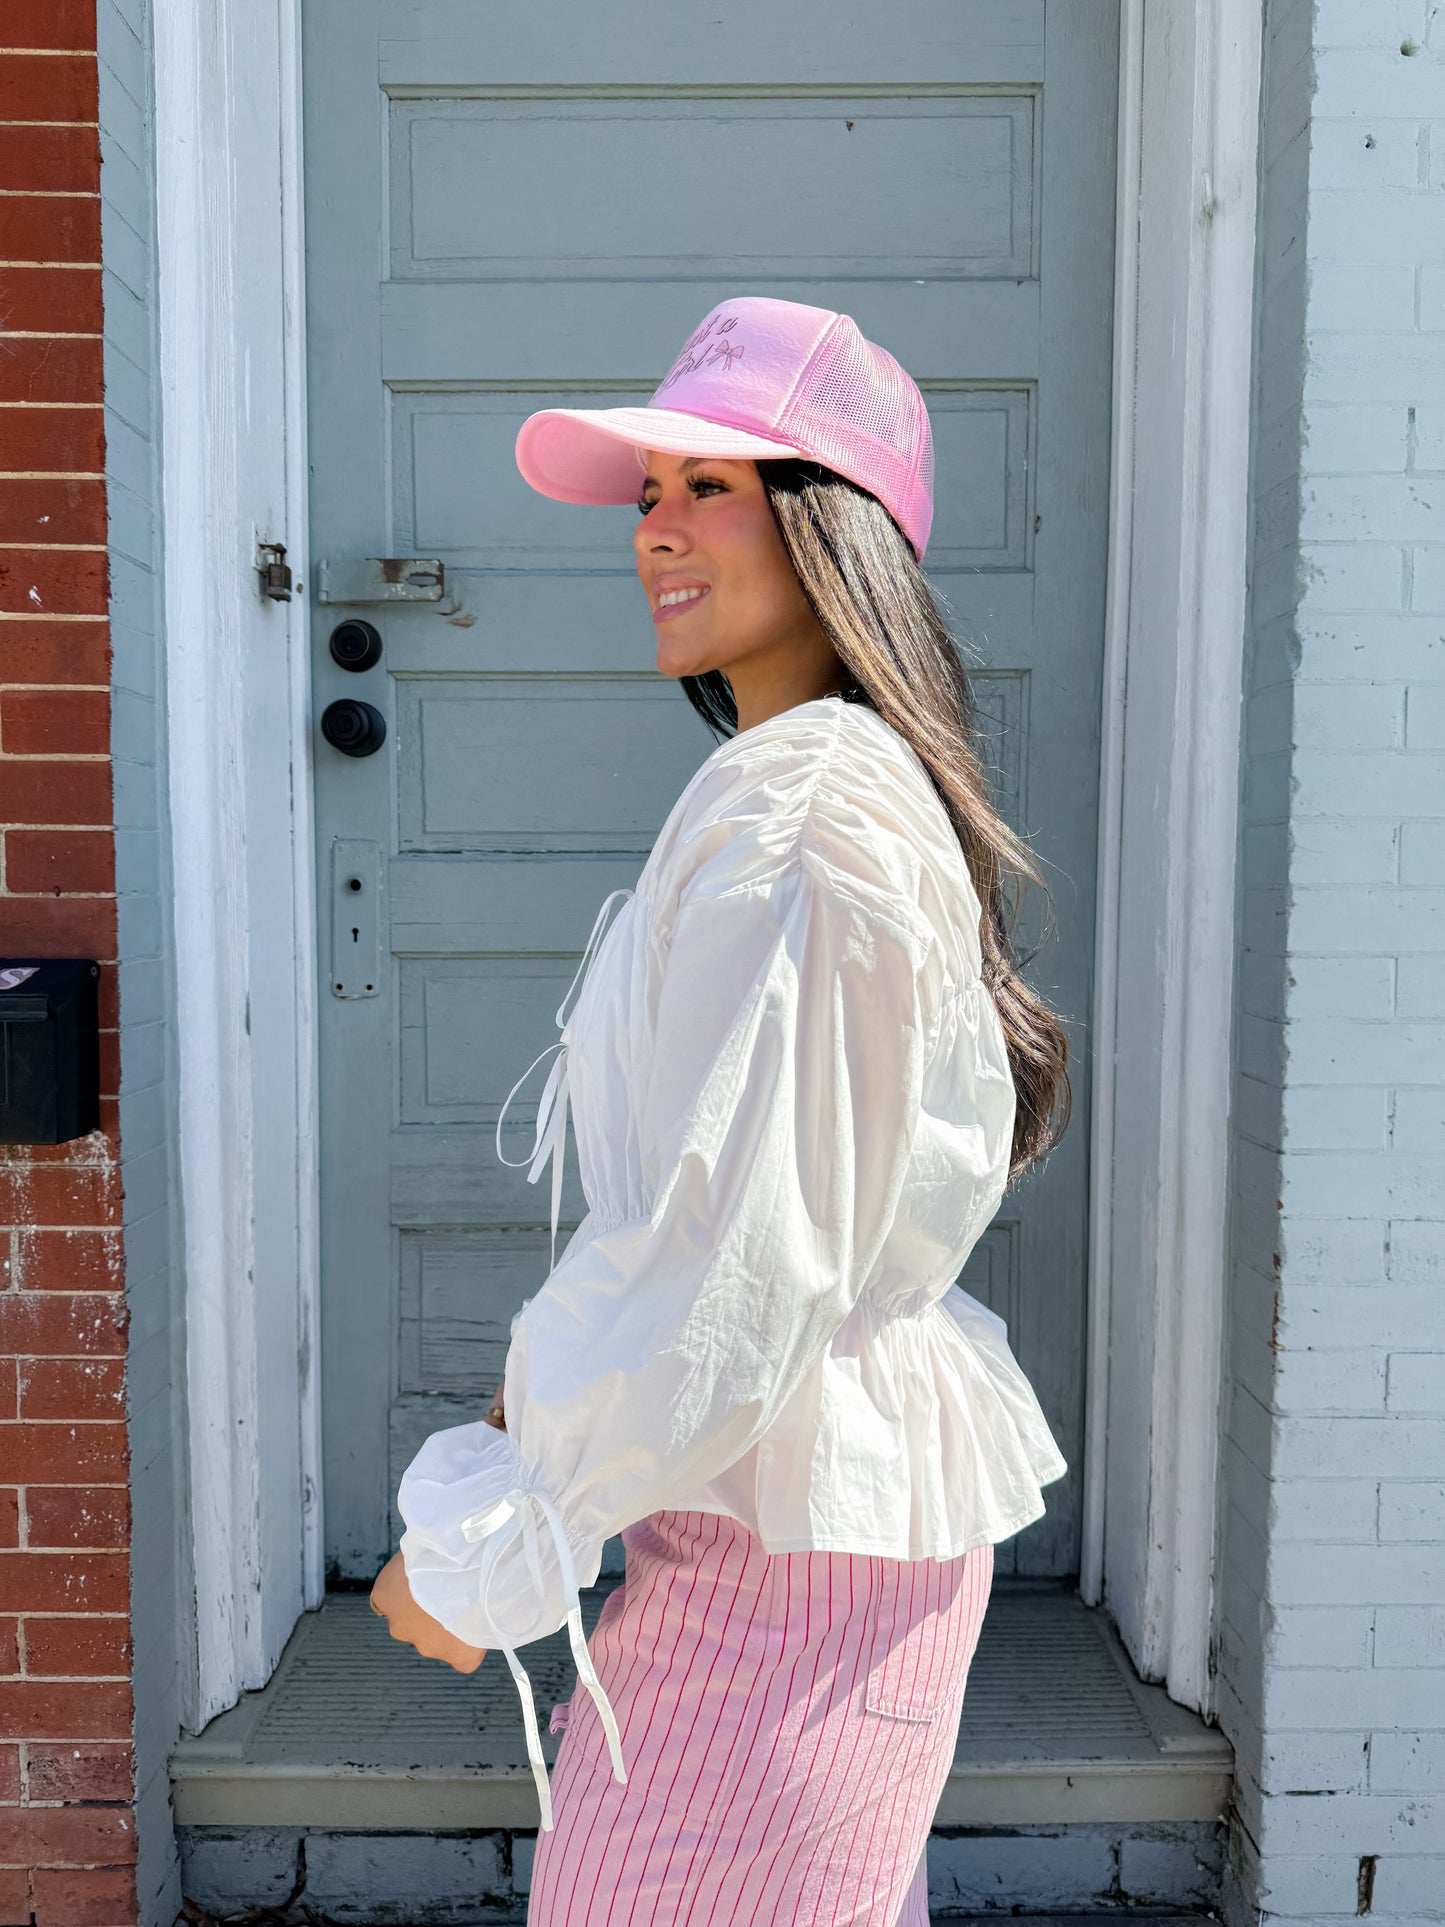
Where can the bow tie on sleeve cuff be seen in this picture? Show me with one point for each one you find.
(445, 1544)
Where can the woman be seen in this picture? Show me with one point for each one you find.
(804, 1073)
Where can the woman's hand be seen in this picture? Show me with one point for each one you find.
(405, 1620)
(391, 1597)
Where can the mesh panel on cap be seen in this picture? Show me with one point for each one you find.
(925, 460)
(857, 411)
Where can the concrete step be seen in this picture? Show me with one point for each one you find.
(397, 1787)
(355, 1730)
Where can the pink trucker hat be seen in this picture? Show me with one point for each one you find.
(758, 379)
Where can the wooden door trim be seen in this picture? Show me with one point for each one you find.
(1159, 1213)
(231, 349)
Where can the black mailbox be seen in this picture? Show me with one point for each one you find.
(49, 1049)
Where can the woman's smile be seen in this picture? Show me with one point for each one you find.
(676, 598)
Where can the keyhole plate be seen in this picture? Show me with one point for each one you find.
(355, 917)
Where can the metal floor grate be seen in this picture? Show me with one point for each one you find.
(1043, 1671)
(356, 1730)
(382, 1703)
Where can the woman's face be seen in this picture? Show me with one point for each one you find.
(721, 587)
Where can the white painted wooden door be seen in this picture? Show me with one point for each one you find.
(509, 206)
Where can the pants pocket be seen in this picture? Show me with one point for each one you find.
(881, 1697)
(904, 1678)
(921, 1645)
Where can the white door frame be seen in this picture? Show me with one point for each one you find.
(1166, 938)
(231, 350)
(1168, 819)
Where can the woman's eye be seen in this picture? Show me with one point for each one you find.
(697, 483)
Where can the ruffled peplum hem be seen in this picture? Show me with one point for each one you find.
(933, 1439)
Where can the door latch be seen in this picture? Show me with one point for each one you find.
(381, 578)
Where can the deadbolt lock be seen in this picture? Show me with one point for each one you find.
(355, 645)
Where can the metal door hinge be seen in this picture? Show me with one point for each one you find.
(376, 578)
(276, 574)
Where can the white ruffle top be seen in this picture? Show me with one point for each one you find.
(793, 1116)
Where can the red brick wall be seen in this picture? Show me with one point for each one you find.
(67, 1832)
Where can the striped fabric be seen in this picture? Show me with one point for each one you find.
(787, 1722)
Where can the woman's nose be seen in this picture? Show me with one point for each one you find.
(660, 529)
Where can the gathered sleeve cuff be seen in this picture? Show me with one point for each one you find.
(458, 1495)
(465, 1497)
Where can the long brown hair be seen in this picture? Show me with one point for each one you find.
(867, 590)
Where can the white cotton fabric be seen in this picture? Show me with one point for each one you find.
(793, 1117)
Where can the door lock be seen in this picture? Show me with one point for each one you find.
(275, 573)
(355, 645)
(356, 915)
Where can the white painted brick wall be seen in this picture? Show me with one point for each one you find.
(1338, 1378)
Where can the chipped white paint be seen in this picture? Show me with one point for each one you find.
(1166, 935)
(227, 121)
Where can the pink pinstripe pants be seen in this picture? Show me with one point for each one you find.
(787, 1726)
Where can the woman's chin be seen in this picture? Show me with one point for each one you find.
(679, 659)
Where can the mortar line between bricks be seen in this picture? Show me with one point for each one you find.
(63, 1806)
(68, 1425)
(79, 1611)
(72, 1679)
(112, 1421)
(52, 1357)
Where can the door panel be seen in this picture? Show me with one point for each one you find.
(509, 208)
(568, 171)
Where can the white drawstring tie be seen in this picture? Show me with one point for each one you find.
(550, 1134)
(476, 1526)
(550, 1141)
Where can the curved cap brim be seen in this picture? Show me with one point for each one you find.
(589, 454)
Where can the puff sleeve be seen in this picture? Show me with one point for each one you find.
(776, 1123)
